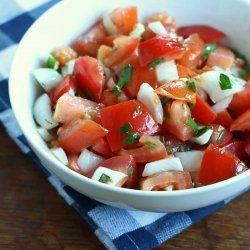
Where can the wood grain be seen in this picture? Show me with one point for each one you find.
(33, 216)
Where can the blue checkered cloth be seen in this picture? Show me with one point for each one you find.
(116, 228)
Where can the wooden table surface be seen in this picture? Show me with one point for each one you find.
(33, 216)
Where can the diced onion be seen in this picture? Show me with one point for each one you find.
(167, 71)
(47, 78)
(42, 112)
(88, 160)
(116, 178)
(108, 24)
(60, 155)
(137, 31)
(68, 67)
(151, 100)
(164, 165)
(204, 138)
(190, 160)
(222, 105)
(46, 136)
(209, 81)
(157, 28)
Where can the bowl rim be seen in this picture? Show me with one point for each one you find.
(67, 171)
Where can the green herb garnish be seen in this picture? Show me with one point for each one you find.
(51, 62)
(191, 106)
(104, 178)
(150, 144)
(225, 82)
(192, 124)
(124, 79)
(131, 137)
(191, 84)
(130, 171)
(162, 139)
(170, 148)
(208, 50)
(221, 136)
(203, 130)
(165, 100)
(156, 62)
(125, 128)
(89, 94)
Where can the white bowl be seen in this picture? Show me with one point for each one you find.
(61, 25)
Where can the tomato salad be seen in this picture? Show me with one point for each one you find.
(147, 106)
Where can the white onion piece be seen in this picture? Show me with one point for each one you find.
(108, 24)
(151, 100)
(137, 31)
(167, 71)
(164, 165)
(88, 160)
(47, 78)
(157, 28)
(46, 136)
(42, 112)
(116, 178)
(169, 188)
(209, 81)
(204, 138)
(60, 155)
(190, 160)
(68, 68)
(222, 105)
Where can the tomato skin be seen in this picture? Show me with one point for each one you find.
(224, 119)
(124, 164)
(114, 117)
(89, 76)
(242, 122)
(159, 46)
(222, 57)
(89, 42)
(185, 72)
(207, 33)
(177, 90)
(237, 148)
(79, 134)
(218, 166)
(202, 112)
(247, 148)
(124, 47)
(68, 83)
(124, 19)
(177, 123)
(179, 181)
(146, 153)
(216, 133)
(241, 101)
(102, 147)
(194, 49)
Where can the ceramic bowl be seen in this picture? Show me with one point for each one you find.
(60, 25)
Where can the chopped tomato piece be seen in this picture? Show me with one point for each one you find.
(103, 52)
(242, 122)
(207, 33)
(124, 47)
(194, 49)
(64, 54)
(124, 19)
(241, 101)
(133, 112)
(164, 46)
(146, 153)
(90, 77)
(185, 72)
(222, 57)
(237, 148)
(221, 136)
(79, 134)
(202, 112)
(247, 148)
(66, 85)
(73, 163)
(177, 90)
(108, 98)
(102, 147)
(89, 42)
(224, 118)
(177, 122)
(218, 165)
(124, 164)
(69, 108)
(179, 181)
